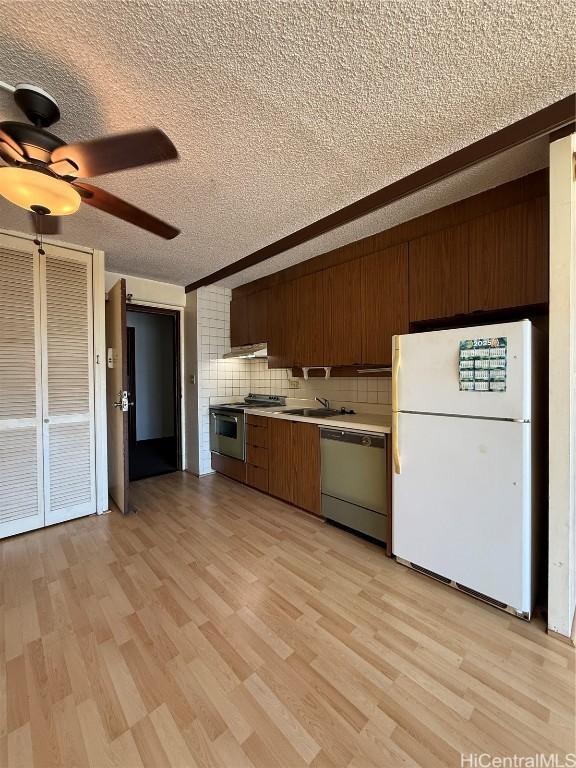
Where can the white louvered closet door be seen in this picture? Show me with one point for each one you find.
(68, 396)
(21, 491)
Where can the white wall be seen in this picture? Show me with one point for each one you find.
(154, 357)
(149, 291)
(562, 389)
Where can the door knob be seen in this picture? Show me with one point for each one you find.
(122, 401)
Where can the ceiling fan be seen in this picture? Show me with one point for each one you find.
(42, 172)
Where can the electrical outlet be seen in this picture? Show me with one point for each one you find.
(293, 384)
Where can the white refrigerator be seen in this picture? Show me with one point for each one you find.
(464, 481)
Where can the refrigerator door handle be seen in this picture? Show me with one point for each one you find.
(395, 450)
(395, 372)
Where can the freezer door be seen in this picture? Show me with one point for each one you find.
(428, 378)
(462, 503)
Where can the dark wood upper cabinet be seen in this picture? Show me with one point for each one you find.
(343, 314)
(309, 319)
(384, 302)
(439, 274)
(239, 334)
(509, 257)
(281, 333)
(257, 310)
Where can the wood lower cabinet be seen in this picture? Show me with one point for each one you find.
(294, 463)
(509, 257)
(439, 274)
(280, 460)
(306, 474)
(384, 302)
(257, 452)
(233, 468)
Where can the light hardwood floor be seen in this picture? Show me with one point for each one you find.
(221, 628)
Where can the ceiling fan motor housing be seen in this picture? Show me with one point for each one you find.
(38, 106)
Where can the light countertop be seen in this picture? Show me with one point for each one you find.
(359, 422)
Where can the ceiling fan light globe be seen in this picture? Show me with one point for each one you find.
(29, 188)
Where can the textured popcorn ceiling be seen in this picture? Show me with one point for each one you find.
(282, 111)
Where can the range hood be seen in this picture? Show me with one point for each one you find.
(249, 351)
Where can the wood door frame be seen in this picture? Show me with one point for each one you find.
(176, 315)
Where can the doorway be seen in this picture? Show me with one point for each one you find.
(153, 357)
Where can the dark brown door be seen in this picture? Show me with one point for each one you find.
(384, 302)
(117, 395)
(509, 257)
(238, 322)
(309, 317)
(343, 314)
(257, 310)
(280, 459)
(281, 326)
(306, 474)
(439, 274)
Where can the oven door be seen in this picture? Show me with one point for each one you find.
(227, 433)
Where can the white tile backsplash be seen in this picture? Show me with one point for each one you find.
(375, 391)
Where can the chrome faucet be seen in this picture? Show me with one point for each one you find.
(324, 402)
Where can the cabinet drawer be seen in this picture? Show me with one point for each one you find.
(233, 468)
(257, 436)
(258, 421)
(257, 477)
(257, 456)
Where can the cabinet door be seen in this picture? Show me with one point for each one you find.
(238, 322)
(509, 257)
(343, 314)
(280, 459)
(439, 274)
(257, 310)
(384, 302)
(21, 464)
(68, 391)
(281, 326)
(308, 304)
(306, 474)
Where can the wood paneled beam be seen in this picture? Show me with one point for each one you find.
(545, 121)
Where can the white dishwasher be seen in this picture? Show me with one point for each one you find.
(354, 480)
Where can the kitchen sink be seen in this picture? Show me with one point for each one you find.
(314, 412)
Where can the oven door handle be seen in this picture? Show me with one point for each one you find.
(223, 417)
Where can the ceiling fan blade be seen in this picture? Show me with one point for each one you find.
(9, 148)
(117, 153)
(45, 225)
(104, 201)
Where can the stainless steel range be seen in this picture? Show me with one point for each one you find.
(228, 423)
